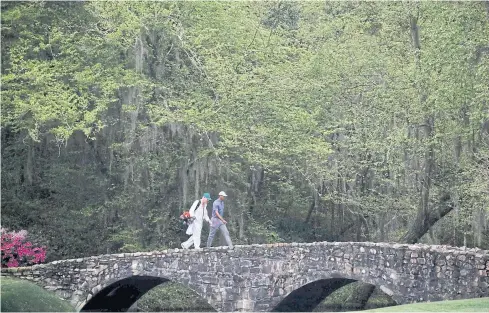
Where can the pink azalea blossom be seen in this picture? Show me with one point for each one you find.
(15, 252)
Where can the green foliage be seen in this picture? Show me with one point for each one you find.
(172, 297)
(345, 299)
(467, 305)
(323, 121)
(58, 77)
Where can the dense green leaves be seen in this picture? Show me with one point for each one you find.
(322, 121)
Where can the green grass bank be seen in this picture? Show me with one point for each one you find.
(24, 296)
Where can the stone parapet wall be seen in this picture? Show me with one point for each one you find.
(258, 277)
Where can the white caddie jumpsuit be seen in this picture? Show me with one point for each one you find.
(200, 213)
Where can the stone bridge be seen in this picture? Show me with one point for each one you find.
(273, 277)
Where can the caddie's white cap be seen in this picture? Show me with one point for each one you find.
(222, 193)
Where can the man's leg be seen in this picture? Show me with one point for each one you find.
(225, 232)
(197, 232)
(188, 243)
(212, 233)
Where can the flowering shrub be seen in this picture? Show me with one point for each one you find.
(16, 251)
(187, 219)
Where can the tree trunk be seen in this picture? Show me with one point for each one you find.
(487, 8)
(362, 293)
(332, 227)
(359, 229)
(311, 208)
(426, 216)
(241, 233)
(424, 222)
(29, 164)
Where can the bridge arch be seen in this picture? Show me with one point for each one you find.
(308, 296)
(119, 294)
(305, 296)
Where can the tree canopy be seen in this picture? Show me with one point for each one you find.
(321, 120)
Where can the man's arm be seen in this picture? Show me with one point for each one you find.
(215, 208)
(192, 208)
(206, 215)
(220, 217)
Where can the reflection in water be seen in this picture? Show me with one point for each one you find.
(306, 298)
(119, 296)
(155, 294)
(333, 295)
